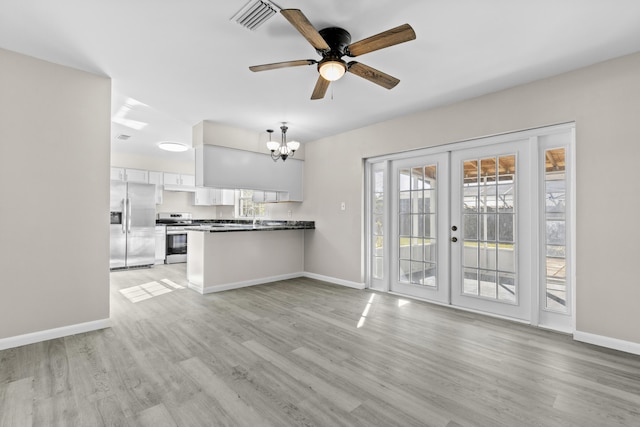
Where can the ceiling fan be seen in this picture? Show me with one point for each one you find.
(332, 44)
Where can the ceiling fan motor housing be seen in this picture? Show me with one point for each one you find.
(338, 39)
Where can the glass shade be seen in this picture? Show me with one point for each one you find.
(293, 145)
(332, 70)
(273, 145)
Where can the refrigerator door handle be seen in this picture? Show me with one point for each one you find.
(123, 221)
(129, 216)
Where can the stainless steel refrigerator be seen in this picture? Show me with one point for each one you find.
(133, 239)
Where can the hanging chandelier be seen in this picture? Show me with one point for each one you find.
(283, 149)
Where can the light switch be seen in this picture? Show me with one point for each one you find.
(343, 206)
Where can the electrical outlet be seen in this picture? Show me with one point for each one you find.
(343, 206)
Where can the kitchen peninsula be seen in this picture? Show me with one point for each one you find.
(226, 255)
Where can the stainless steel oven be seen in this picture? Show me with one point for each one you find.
(176, 223)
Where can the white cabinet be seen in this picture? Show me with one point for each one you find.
(161, 244)
(157, 178)
(174, 181)
(226, 197)
(206, 196)
(130, 175)
(270, 196)
(224, 167)
(203, 196)
(117, 174)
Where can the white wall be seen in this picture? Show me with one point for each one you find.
(54, 212)
(603, 100)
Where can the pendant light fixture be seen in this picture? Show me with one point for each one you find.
(283, 149)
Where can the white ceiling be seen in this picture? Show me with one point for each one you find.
(184, 61)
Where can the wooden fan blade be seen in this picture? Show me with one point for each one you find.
(302, 24)
(373, 75)
(394, 36)
(321, 88)
(285, 64)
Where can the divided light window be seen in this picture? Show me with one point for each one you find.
(555, 219)
(247, 207)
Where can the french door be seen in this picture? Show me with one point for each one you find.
(466, 225)
(419, 227)
(491, 229)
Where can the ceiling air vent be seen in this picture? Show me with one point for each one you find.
(255, 13)
(123, 137)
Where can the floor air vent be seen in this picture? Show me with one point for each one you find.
(255, 13)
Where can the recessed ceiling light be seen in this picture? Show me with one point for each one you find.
(173, 146)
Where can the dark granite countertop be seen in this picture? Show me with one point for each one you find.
(218, 226)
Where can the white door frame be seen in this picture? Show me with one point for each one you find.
(538, 317)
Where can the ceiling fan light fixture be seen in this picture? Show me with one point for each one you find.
(332, 69)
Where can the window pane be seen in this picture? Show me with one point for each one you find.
(488, 285)
(417, 250)
(417, 179)
(404, 179)
(378, 229)
(417, 203)
(405, 225)
(506, 227)
(555, 232)
(378, 267)
(488, 170)
(487, 227)
(430, 250)
(404, 202)
(417, 225)
(506, 258)
(430, 201)
(430, 275)
(470, 254)
(488, 256)
(417, 273)
(471, 281)
(506, 287)
(555, 196)
(405, 271)
(470, 227)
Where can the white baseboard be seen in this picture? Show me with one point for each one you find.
(334, 280)
(243, 284)
(50, 334)
(602, 341)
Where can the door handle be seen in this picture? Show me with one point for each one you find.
(123, 218)
(454, 239)
(129, 216)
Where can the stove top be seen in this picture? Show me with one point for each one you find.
(174, 218)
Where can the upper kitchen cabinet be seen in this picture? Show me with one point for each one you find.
(130, 175)
(205, 196)
(157, 178)
(225, 167)
(179, 182)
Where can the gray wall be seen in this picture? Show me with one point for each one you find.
(54, 195)
(603, 100)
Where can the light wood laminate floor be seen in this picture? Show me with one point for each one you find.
(291, 353)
